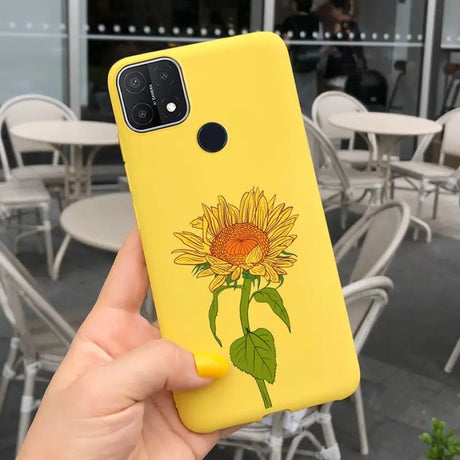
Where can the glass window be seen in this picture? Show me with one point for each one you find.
(384, 39)
(33, 48)
(117, 28)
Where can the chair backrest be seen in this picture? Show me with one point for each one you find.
(365, 300)
(333, 102)
(382, 229)
(27, 108)
(451, 139)
(19, 291)
(426, 140)
(324, 153)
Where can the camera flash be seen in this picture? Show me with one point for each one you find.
(170, 107)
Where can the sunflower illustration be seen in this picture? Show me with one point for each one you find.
(251, 238)
(238, 247)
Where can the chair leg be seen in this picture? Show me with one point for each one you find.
(239, 454)
(276, 452)
(435, 204)
(343, 211)
(392, 187)
(452, 358)
(17, 236)
(59, 256)
(8, 372)
(27, 402)
(418, 223)
(46, 225)
(325, 421)
(359, 408)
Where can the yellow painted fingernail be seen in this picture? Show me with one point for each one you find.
(210, 365)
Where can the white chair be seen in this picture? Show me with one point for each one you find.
(375, 237)
(41, 336)
(333, 102)
(17, 197)
(431, 177)
(28, 108)
(342, 182)
(365, 300)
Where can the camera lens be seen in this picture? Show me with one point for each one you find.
(134, 82)
(164, 74)
(142, 114)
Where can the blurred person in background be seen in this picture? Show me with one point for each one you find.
(338, 21)
(303, 24)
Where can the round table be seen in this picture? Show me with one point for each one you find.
(101, 221)
(389, 129)
(78, 134)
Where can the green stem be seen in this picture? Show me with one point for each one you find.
(244, 305)
(264, 392)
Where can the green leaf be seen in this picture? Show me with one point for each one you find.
(288, 254)
(255, 354)
(200, 267)
(213, 310)
(275, 301)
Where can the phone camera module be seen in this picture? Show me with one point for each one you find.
(152, 94)
(142, 114)
(164, 74)
(134, 82)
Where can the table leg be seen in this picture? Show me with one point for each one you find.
(59, 256)
(89, 166)
(386, 145)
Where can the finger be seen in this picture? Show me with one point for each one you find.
(156, 366)
(126, 285)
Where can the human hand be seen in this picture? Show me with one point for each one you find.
(111, 397)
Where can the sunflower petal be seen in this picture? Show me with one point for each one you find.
(244, 207)
(223, 212)
(233, 214)
(213, 224)
(271, 203)
(258, 270)
(237, 273)
(254, 256)
(191, 240)
(197, 223)
(274, 214)
(203, 273)
(280, 244)
(217, 282)
(284, 262)
(282, 229)
(190, 259)
(261, 213)
(216, 261)
(270, 273)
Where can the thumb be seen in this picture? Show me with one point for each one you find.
(158, 365)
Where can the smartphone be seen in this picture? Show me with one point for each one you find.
(234, 234)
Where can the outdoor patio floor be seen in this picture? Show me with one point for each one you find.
(402, 363)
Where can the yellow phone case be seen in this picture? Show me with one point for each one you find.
(236, 243)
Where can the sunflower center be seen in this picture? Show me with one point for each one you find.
(234, 243)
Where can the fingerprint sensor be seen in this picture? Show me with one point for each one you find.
(212, 137)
